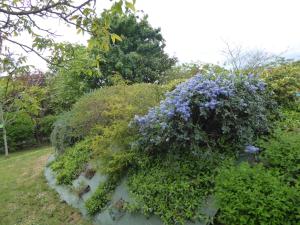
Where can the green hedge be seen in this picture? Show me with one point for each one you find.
(20, 133)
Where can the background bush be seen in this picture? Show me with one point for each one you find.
(282, 153)
(284, 80)
(20, 133)
(251, 196)
(187, 70)
(44, 127)
(61, 135)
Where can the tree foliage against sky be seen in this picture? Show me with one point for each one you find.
(72, 78)
(140, 56)
(28, 17)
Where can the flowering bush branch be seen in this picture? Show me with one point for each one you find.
(207, 110)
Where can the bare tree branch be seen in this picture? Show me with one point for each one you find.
(78, 8)
(33, 11)
(48, 31)
(28, 49)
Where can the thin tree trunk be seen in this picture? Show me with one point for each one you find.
(1, 110)
(5, 140)
(3, 130)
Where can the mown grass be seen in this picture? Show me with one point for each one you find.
(25, 198)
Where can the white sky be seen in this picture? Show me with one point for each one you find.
(196, 30)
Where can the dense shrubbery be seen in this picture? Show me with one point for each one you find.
(250, 196)
(284, 80)
(20, 133)
(193, 133)
(45, 126)
(290, 119)
(207, 110)
(102, 108)
(105, 115)
(114, 148)
(282, 153)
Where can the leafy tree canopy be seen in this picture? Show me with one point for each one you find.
(140, 56)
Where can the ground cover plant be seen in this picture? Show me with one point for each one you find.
(281, 152)
(174, 186)
(255, 195)
(267, 193)
(73, 162)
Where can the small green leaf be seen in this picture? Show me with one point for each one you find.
(130, 5)
(115, 37)
(74, 17)
(117, 7)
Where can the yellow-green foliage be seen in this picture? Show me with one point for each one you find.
(284, 81)
(173, 83)
(102, 108)
(69, 165)
(282, 153)
(290, 119)
(120, 102)
(114, 148)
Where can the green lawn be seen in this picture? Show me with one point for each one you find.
(25, 198)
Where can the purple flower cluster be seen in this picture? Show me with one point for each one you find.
(253, 86)
(207, 92)
(251, 149)
(178, 102)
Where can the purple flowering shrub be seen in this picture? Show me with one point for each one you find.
(207, 110)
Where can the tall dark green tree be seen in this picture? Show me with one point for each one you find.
(139, 56)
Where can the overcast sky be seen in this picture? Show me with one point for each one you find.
(196, 30)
